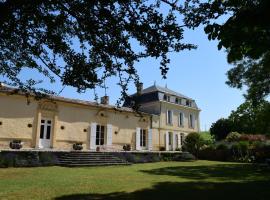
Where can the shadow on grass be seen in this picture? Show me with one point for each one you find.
(225, 182)
(221, 172)
(258, 190)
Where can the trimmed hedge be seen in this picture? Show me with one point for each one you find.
(27, 158)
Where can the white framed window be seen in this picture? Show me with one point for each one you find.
(100, 134)
(182, 137)
(143, 138)
(181, 119)
(191, 121)
(169, 116)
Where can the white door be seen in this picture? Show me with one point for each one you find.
(45, 133)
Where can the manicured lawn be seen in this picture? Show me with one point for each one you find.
(165, 180)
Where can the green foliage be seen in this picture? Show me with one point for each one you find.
(233, 137)
(244, 35)
(252, 119)
(193, 142)
(82, 43)
(222, 147)
(221, 128)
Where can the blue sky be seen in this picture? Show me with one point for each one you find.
(199, 74)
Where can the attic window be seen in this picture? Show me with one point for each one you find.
(188, 103)
(165, 97)
(176, 100)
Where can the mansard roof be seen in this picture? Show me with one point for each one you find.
(156, 88)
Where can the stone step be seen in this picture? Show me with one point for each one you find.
(89, 159)
(107, 161)
(92, 164)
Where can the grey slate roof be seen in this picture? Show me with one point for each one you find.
(156, 88)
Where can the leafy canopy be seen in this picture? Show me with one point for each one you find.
(84, 42)
(245, 35)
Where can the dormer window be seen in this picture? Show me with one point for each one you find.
(188, 103)
(165, 97)
(176, 100)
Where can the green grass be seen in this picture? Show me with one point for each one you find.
(164, 180)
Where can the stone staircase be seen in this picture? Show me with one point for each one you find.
(80, 159)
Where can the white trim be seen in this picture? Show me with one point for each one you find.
(138, 135)
(93, 128)
(167, 141)
(109, 134)
(150, 135)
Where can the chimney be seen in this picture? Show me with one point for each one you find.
(104, 100)
(139, 88)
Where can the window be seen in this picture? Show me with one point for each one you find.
(170, 138)
(181, 119)
(143, 138)
(169, 116)
(191, 121)
(45, 129)
(100, 132)
(187, 102)
(182, 138)
(165, 97)
(176, 100)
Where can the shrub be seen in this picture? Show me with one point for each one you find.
(193, 143)
(222, 147)
(251, 137)
(233, 137)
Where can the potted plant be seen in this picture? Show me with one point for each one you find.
(15, 144)
(98, 149)
(78, 146)
(127, 147)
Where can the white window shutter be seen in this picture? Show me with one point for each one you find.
(138, 130)
(179, 140)
(109, 134)
(93, 136)
(167, 141)
(150, 134)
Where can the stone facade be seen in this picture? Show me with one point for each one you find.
(58, 123)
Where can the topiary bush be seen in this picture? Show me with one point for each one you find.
(233, 137)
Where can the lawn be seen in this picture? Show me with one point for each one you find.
(202, 180)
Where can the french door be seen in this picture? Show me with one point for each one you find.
(45, 133)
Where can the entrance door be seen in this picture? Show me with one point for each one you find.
(45, 133)
(100, 135)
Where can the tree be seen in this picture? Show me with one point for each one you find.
(84, 42)
(193, 143)
(244, 35)
(252, 119)
(221, 128)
